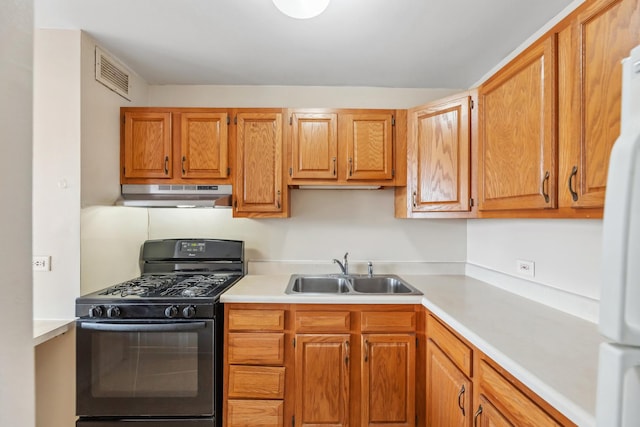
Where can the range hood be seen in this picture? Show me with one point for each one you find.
(175, 196)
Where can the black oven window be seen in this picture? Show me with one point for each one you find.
(145, 364)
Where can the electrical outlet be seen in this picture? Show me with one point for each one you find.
(42, 263)
(526, 268)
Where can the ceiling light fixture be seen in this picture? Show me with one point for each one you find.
(301, 9)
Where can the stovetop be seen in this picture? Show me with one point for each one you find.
(170, 285)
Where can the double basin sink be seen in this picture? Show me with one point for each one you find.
(379, 284)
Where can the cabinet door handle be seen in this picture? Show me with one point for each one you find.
(460, 404)
(476, 415)
(334, 166)
(545, 187)
(350, 166)
(414, 196)
(366, 350)
(346, 352)
(278, 200)
(574, 195)
(166, 165)
(184, 159)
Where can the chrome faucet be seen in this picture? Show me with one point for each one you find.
(370, 269)
(344, 265)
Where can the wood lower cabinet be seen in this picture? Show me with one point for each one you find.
(260, 189)
(388, 380)
(346, 147)
(438, 159)
(488, 415)
(322, 370)
(174, 146)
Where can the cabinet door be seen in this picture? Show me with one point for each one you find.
(322, 379)
(488, 416)
(448, 391)
(518, 141)
(204, 145)
(147, 145)
(438, 157)
(314, 146)
(259, 184)
(369, 138)
(590, 81)
(388, 380)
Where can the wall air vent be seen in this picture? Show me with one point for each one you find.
(112, 74)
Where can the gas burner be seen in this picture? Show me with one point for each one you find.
(195, 286)
(140, 286)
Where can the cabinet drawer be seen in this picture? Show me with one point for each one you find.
(323, 321)
(256, 320)
(255, 413)
(453, 347)
(256, 349)
(391, 321)
(521, 410)
(258, 382)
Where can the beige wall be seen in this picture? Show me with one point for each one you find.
(16, 335)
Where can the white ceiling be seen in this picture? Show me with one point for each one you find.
(379, 43)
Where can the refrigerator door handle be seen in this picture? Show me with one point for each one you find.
(618, 386)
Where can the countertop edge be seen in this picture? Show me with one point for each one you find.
(47, 329)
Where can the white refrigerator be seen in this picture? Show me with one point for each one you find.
(618, 394)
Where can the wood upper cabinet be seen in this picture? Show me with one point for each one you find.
(388, 380)
(146, 145)
(314, 146)
(174, 145)
(448, 391)
(517, 150)
(590, 79)
(204, 145)
(259, 190)
(322, 370)
(345, 147)
(438, 158)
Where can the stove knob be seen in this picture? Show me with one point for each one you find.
(113, 312)
(171, 311)
(96, 311)
(189, 312)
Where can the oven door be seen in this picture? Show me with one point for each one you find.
(145, 368)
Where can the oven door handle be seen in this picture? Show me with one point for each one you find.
(143, 327)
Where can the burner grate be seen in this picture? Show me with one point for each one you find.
(194, 286)
(169, 285)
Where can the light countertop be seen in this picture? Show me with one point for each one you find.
(551, 352)
(44, 330)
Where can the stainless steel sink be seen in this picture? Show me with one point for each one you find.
(381, 285)
(317, 285)
(384, 284)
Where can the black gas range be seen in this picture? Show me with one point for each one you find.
(149, 350)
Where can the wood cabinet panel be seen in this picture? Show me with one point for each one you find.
(322, 386)
(438, 156)
(388, 380)
(519, 409)
(453, 347)
(255, 348)
(449, 391)
(488, 415)
(147, 145)
(369, 140)
(314, 145)
(204, 145)
(601, 35)
(259, 185)
(323, 321)
(395, 321)
(256, 320)
(255, 413)
(258, 382)
(518, 133)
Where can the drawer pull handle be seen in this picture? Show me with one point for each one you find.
(574, 195)
(184, 159)
(460, 404)
(415, 204)
(334, 166)
(346, 352)
(366, 350)
(166, 165)
(477, 414)
(350, 166)
(278, 200)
